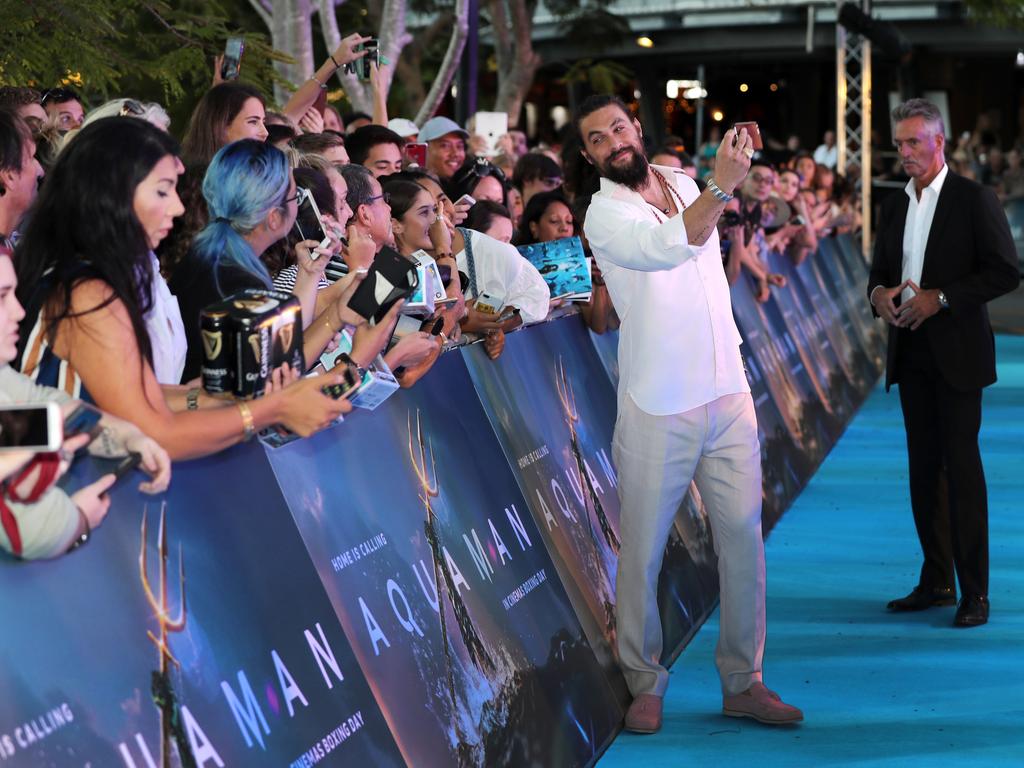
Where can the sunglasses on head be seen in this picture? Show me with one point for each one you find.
(58, 95)
(131, 108)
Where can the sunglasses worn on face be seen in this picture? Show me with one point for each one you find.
(757, 178)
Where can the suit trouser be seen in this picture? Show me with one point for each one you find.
(656, 457)
(942, 427)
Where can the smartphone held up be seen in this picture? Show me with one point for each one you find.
(231, 63)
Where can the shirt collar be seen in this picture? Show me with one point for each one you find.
(936, 185)
(622, 192)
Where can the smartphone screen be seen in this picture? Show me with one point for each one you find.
(320, 105)
(308, 223)
(231, 66)
(372, 55)
(127, 465)
(85, 418)
(417, 154)
(31, 427)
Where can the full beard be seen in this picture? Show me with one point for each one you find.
(632, 175)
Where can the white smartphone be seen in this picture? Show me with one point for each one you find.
(485, 302)
(492, 126)
(466, 200)
(37, 427)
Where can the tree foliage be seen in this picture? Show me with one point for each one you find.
(997, 13)
(103, 46)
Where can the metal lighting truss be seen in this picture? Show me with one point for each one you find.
(853, 115)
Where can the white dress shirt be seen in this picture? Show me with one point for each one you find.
(825, 155)
(678, 342)
(504, 273)
(166, 331)
(915, 231)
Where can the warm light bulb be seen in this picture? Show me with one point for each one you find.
(717, 116)
(645, 42)
(744, 87)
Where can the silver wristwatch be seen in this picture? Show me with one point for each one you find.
(943, 301)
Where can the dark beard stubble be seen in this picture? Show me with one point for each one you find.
(632, 175)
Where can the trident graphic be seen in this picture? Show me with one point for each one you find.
(567, 396)
(163, 693)
(429, 489)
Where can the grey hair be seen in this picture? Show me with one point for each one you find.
(920, 108)
(360, 189)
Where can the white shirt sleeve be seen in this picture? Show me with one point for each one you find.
(527, 290)
(16, 387)
(503, 271)
(633, 242)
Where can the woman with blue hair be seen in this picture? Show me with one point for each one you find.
(86, 278)
(253, 201)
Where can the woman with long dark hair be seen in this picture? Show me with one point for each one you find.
(253, 199)
(227, 112)
(85, 276)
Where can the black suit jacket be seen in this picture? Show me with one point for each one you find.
(970, 256)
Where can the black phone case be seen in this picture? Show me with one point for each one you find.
(393, 272)
(307, 224)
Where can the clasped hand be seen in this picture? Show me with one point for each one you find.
(911, 313)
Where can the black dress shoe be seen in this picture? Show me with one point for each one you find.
(972, 611)
(922, 598)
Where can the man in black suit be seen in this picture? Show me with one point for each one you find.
(942, 251)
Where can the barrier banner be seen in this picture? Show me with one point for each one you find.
(218, 648)
(853, 308)
(771, 345)
(413, 507)
(832, 368)
(553, 409)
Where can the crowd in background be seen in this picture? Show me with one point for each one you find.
(116, 236)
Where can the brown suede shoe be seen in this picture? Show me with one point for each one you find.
(644, 714)
(763, 705)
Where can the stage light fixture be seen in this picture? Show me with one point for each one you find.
(645, 42)
(744, 87)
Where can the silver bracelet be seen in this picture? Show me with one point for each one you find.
(725, 197)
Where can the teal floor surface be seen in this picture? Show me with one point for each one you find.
(877, 689)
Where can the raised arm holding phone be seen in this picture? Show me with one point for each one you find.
(685, 411)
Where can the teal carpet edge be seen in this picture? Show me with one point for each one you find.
(877, 689)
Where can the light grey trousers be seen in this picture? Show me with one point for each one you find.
(656, 457)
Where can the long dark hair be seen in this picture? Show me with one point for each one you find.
(83, 224)
(535, 211)
(211, 117)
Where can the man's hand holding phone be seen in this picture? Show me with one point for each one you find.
(732, 161)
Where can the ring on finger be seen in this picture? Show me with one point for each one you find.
(748, 152)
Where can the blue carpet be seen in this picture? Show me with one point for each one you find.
(876, 689)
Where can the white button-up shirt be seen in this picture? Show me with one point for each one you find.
(678, 343)
(166, 331)
(919, 223)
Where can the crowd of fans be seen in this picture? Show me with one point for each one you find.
(116, 236)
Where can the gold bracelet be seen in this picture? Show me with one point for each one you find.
(248, 424)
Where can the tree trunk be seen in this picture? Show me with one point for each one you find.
(393, 37)
(450, 65)
(517, 61)
(291, 32)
